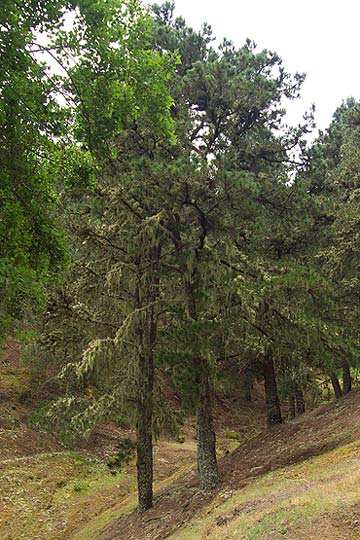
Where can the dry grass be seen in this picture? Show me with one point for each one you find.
(278, 484)
(66, 496)
(48, 496)
(294, 503)
(72, 495)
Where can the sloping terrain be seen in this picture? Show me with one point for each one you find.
(50, 493)
(282, 483)
(298, 481)
(319, 498)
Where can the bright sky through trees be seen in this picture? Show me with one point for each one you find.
(318, 37)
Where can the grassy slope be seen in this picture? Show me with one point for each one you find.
(319, 498)
(49, 493)
(296, 482)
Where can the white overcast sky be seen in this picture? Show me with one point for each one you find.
(318, 37)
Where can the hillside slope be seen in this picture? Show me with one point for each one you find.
(296, 481)
(50, 493)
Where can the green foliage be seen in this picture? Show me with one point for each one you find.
(38, 419)
(167, 231)
(333, 179)
(125, 451)
(32, 247)
(202, 234)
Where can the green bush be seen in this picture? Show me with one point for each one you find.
(125, 451)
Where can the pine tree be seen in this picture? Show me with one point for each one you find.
(116, 97)
(332, 177)
(185, 254)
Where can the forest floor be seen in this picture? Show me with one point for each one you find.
(298, 481)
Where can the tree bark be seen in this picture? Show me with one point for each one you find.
(347, 380)
(146, 293)
(271, 392)
(299, 399)
(206, 439)
(144, 445)
(247, 386)
(336, 385)
(292, 409)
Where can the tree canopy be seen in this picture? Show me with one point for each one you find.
(206, 240)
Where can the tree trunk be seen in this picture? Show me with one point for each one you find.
(247, 393)
(271, 393)
(292, 410)
(336, 385)
(206, 439)
(300, 402)
(144, 445)
(146, 292)
(247, 386)
(347, 381)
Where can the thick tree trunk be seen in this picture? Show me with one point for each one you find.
(248, 386)
(144, 446)
(271, 393)
(206, 439)
(347, 381)
(292, 409)
(299, 399)
(336, 385)
(146, 336)
(247, 393)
